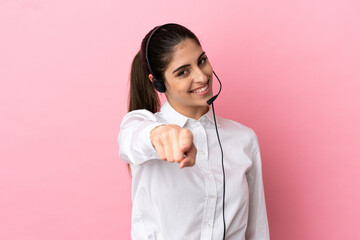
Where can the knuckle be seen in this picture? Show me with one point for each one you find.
(178, 159)
(156, 141)
(161, 154)
(187, 132)
(169, 158)
(163, 135)
(173, 131)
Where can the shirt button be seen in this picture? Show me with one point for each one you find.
(209, 224)
(211, 196)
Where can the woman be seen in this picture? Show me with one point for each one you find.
(175, 156)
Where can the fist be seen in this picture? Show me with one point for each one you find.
(174, 144)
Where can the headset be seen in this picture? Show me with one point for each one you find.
(159, 85)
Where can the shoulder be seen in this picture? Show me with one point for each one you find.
(239, 132)
(229, 124)
(142, 114)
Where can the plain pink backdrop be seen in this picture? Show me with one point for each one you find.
(290, 70)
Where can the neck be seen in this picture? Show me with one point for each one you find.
(191, 112)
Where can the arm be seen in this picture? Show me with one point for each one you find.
(257, 228)
(142, 138)
(134, 137)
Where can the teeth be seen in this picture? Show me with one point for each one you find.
(201, 89)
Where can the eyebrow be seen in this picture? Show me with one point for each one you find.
(187, 65)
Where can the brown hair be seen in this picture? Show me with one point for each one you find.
(160, 51)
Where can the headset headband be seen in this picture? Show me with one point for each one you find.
(158, 84)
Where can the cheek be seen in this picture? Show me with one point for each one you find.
(177, 90)
(209, 70)
(183, 87)
(183, 90)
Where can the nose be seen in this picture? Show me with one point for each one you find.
(200, 76)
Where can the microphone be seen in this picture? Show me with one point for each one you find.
(211, 100)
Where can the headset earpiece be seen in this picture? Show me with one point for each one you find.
(159, 85)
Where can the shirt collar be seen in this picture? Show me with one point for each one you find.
(210, 117)
(173, 117)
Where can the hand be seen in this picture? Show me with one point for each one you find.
(174, 144)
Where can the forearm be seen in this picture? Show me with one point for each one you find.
(257, 228)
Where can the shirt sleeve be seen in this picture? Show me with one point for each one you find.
(134, 137)
(257, 228)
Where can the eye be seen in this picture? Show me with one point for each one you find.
(183, 72)
(203, 60)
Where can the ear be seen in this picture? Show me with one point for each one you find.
(151, 77)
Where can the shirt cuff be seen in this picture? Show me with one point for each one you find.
(147, 151)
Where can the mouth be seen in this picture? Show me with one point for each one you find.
(201, 90)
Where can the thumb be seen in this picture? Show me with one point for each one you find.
(190, 158)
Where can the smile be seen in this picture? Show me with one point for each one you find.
(201, 90)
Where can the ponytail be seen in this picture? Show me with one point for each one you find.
(142, 93)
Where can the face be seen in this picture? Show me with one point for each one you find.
(188, 80)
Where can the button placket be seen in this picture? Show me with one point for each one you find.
(201, 144)
(210, 188)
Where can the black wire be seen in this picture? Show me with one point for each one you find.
(223, 170)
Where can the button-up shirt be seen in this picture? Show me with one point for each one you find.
(173, 203)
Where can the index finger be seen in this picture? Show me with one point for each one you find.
(185, 140)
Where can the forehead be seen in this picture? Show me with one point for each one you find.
(185, 52)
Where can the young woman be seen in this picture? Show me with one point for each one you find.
(175, 157)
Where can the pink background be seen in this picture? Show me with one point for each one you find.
(290, 71)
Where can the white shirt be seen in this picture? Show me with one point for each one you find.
(171, 203)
